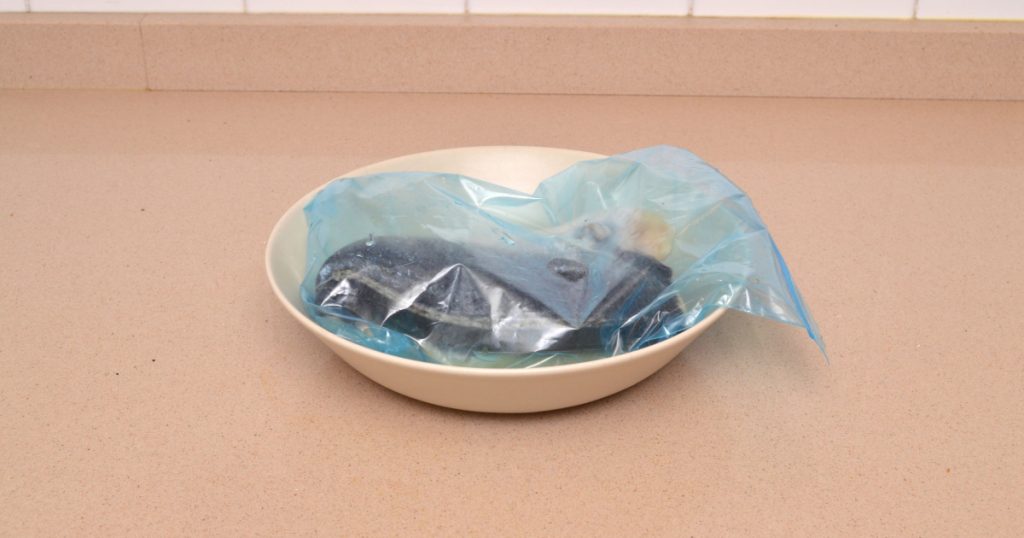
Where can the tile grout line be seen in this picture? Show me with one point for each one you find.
(142, 47)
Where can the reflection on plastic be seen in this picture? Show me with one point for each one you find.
(605, 257)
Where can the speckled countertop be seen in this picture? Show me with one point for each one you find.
(151, 385)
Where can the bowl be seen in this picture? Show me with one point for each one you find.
(472, 389)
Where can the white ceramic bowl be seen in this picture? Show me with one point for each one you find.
(471, 389)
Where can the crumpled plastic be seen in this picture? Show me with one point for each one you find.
(606, 257)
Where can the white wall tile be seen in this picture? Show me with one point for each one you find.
(892, 9)
(357, 6)
(583, 7)
(13, 5)
(970, 9)
(152, 6)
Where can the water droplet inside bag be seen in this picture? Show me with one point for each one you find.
(504, 236)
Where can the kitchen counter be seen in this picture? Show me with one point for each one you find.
(151, 384)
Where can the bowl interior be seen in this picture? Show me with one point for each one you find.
(517, 167)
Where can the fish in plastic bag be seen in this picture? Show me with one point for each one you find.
(605, 257)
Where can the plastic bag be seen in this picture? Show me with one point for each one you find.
(605, 257)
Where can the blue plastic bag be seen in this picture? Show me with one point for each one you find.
(605, 257)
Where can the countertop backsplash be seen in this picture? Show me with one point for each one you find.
(869, 9)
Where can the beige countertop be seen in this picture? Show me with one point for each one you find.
(151, 385)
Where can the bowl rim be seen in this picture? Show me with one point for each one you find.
(472, 371)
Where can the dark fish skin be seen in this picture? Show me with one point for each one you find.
(455, 298)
